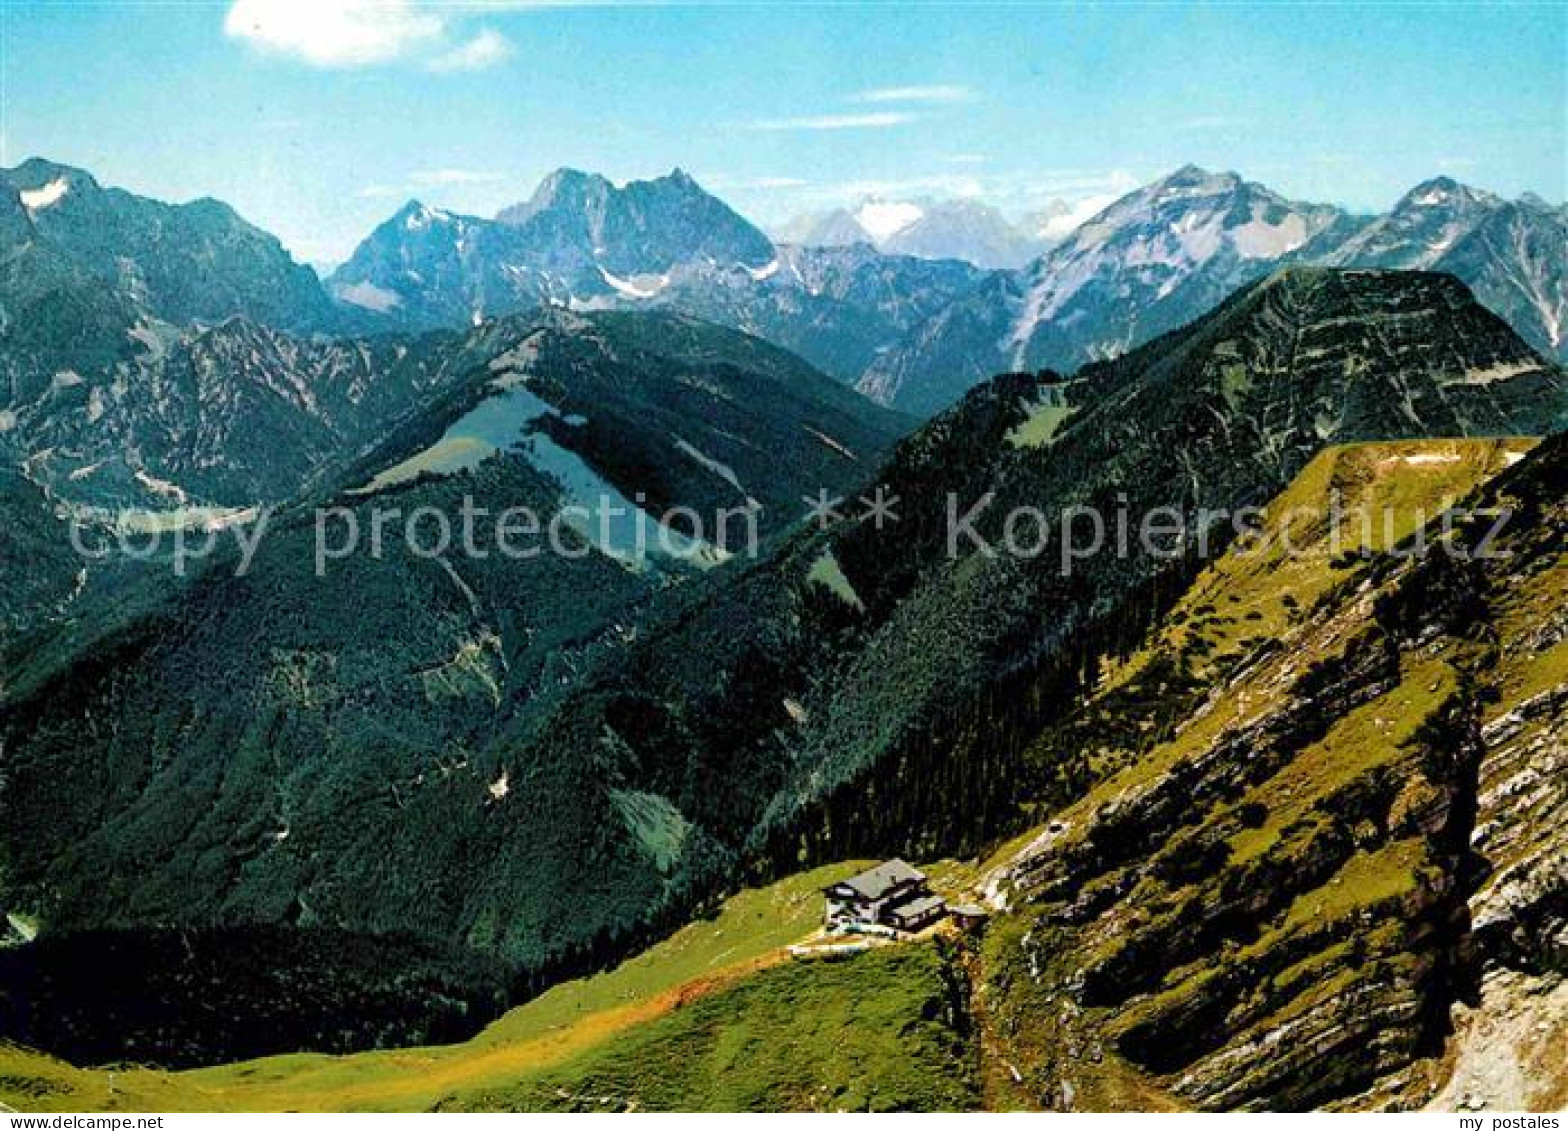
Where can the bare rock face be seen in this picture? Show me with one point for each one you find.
(1506, 1051)
(1522, 831)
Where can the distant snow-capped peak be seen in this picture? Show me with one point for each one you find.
(883, 219)
(961, 228)
(1445, 192)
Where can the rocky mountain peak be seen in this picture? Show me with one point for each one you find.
(179, 263)
(36, 172)
(1423, 226)
(964, 229)
(836, 228)
(564, 188)
(42, 185)
(1444, 192)
(1191, 181)
(959, 228)
(640, 227)
(416, 215)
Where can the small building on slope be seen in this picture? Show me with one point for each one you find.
(891, 895)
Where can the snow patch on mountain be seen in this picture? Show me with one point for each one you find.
(36, 200)
(162, 487)
(423, 216)
(367, 295)
(722, 470)
(640, 287)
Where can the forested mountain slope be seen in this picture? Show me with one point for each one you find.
(306, 744)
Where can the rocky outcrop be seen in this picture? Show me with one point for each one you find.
(1288, 902)
(1520, 911)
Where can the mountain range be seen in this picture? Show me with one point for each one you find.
(1161, 255)
(928, 229)
(451, 751)
(931, 328)
(909, 313)
(184, 263)
(373, 795)
(582, 243)
(913, 313)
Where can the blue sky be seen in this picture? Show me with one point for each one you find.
(317, 120)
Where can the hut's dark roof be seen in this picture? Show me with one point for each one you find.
(875, 883)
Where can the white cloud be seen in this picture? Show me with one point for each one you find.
(364, 33)
(1077, 193)
(934, 185)
(931, 95)
(937, 185)
(428, 180)
(485, 49)
(1060, 225)
(874, 121)
(334, 33)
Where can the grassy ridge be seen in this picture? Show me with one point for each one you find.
(563, 1033)
(884, 1031)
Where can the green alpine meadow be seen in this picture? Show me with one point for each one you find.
(772, 559)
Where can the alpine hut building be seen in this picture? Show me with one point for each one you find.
(893, 894)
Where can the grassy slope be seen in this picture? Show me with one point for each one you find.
(1244, 601)
(879, 1032)
(565, 1033)
(1251, 625)
(746, 935)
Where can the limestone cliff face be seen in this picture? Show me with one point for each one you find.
(1504, 1036)
(1356, 826)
